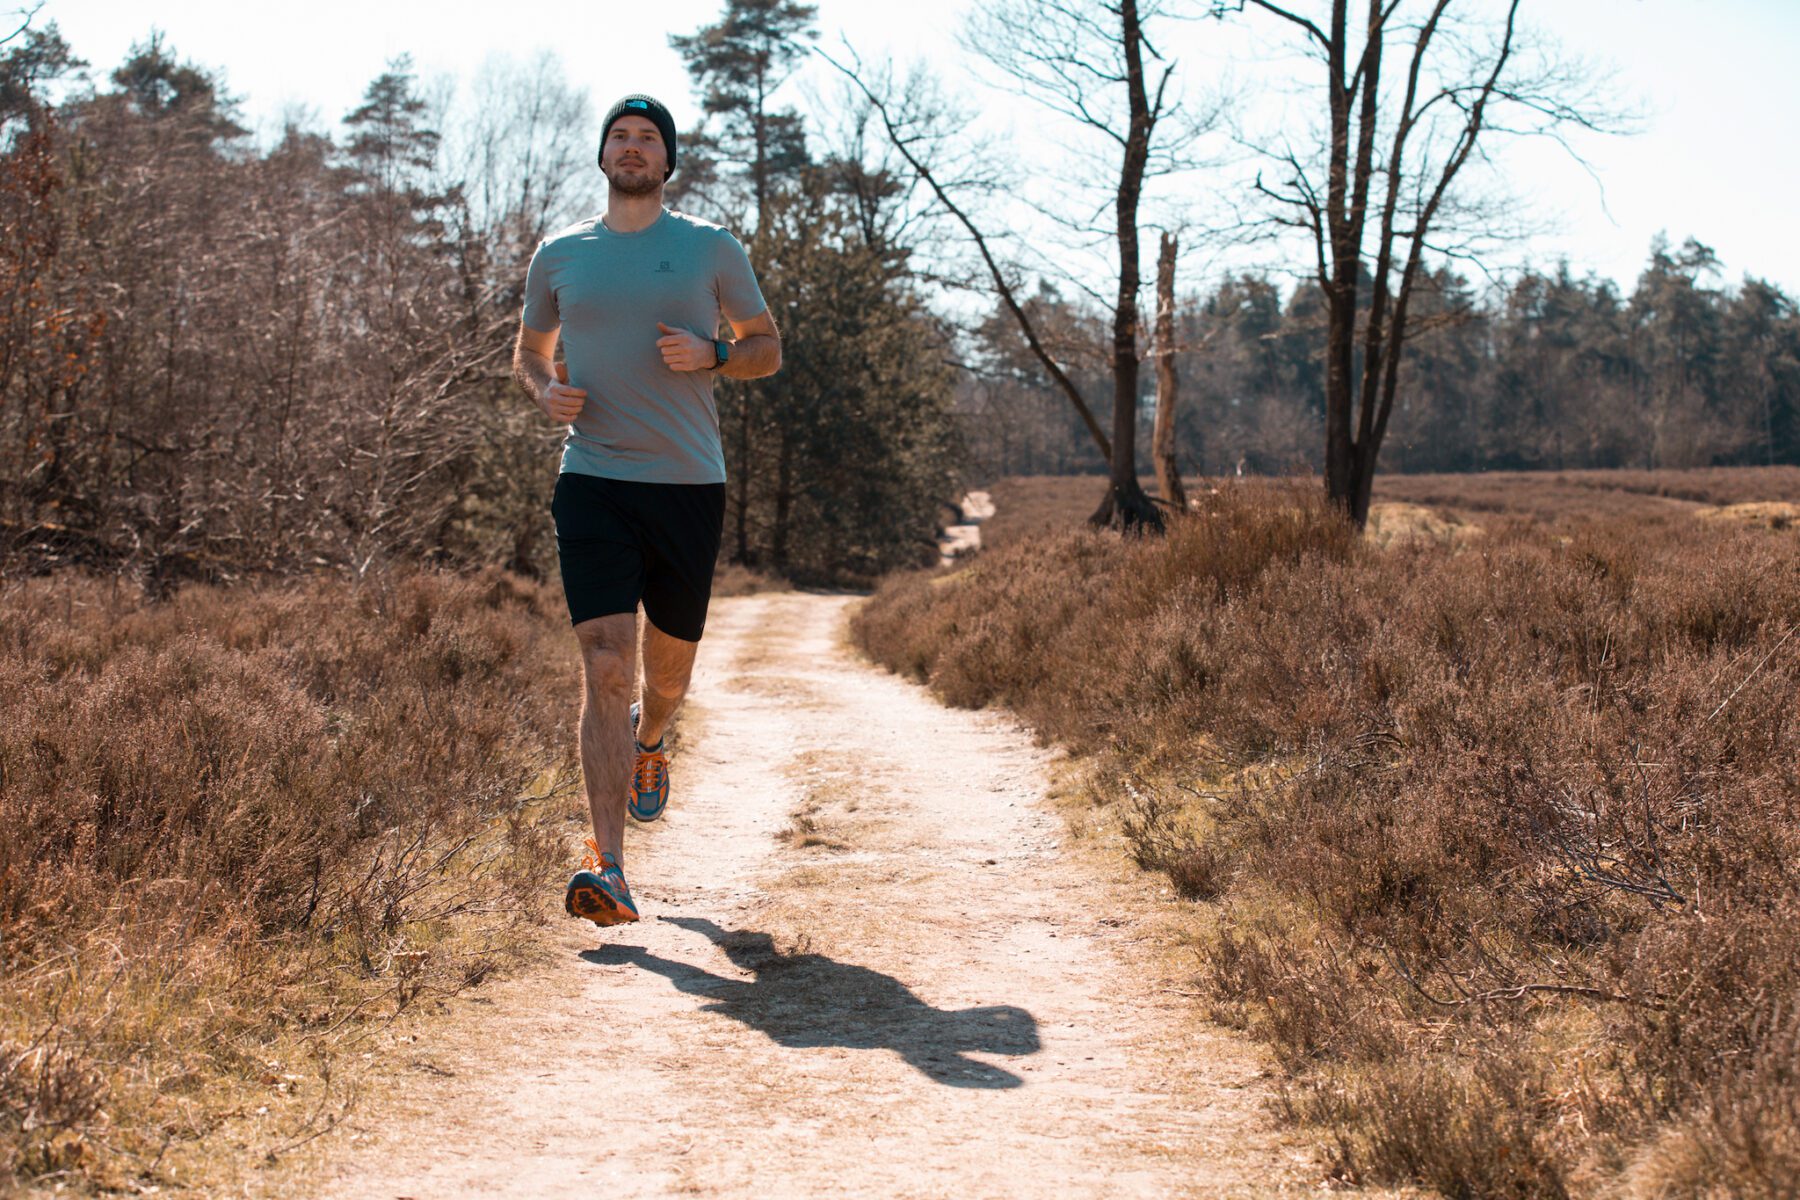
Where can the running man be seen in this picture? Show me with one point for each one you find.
(640, 293)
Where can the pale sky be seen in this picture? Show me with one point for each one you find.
(1715, 80)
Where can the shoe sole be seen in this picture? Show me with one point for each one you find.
(594, 904)
(632, 808)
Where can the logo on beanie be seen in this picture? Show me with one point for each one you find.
(636, 104)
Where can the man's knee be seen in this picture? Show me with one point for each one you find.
(607, 646)
(606, 670)
(667, 666)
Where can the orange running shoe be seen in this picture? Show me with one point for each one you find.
(649, 778)
(598, 892)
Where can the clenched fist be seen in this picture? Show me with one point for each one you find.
(560, 402)
(684, 351)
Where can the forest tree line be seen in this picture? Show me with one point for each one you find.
(1551, 372)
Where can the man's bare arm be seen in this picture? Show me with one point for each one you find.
(540, 377)
(756, 352)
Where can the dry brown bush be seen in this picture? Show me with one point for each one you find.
(239, 825)
(1505, 831)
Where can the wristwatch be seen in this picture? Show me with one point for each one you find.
(722, 352)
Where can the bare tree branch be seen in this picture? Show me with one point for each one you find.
(904, 145)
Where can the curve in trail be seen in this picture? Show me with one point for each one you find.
(871, 964)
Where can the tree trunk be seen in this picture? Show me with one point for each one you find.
(1340, 446)
(742, 555)
(1162, 438)
(1125, 505)
(1340, 290)
(759, 171)
(1363, 488)
(784, 502)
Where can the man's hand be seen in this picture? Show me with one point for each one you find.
(560, 402)
(684, 351)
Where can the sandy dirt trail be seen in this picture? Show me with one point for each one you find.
(873, 963)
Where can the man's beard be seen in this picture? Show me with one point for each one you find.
(630, 182)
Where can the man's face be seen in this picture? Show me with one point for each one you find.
(635, 161)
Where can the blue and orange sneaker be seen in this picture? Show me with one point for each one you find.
(649, 778)
(598, 892)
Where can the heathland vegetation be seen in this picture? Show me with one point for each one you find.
(240, 826)
(1496, 831)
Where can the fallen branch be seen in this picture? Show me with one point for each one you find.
(1518, 991)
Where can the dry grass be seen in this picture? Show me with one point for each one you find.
(1393, 523)
(1773, 514)
(827, 799)
(1029, 505)
(241, 826)
(1502, 832)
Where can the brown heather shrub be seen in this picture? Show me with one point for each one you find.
(1471, 1133)
(241, 823)
(1505, 834)
(1162, 841)
(1029, 506)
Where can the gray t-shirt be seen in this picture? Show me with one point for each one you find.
(642, 421)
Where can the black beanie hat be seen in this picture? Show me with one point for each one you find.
(650, 108)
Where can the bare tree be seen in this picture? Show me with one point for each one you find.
(522, 151)
(1376, 188)
(1162, 437)
(893, 206)
(1091, 62)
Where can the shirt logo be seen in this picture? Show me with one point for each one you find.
(663, 268)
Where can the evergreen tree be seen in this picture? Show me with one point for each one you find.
(1761, 331)
(40, 56)
(1676, 319)
(839, 465)
(390, 144)
(858, 423)
(737, 65)
(159, 87)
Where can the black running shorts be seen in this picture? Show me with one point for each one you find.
(621, 542)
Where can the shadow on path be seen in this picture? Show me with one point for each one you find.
(811, 1000)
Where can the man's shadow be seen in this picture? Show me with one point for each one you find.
(811, 1000)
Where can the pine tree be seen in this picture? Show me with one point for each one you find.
(737, 66)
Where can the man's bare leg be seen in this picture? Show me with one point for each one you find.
(608, 646)
(668, 664)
